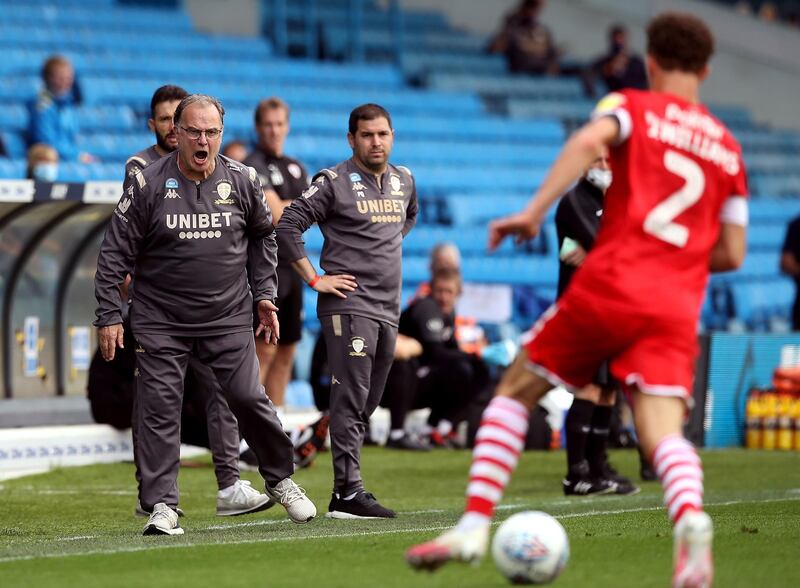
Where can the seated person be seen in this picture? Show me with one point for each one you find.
(42, 163)
(441, 376)
(619, 68)
(527, 44)
(53, 115)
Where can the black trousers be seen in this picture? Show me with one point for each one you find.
(447, 388)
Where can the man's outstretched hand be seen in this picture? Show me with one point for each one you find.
(268, 322)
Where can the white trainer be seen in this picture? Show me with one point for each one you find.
(140, 512)
(454, 545)
(694, 565)
(241, 498)
(163, 521)
(293, 498)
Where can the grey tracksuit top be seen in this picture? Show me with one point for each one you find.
(363, 224)
(191, 246)
(138, 161)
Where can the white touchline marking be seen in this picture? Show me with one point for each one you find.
(250, 524)
(78, 538)
(75, 492)
(359, 533)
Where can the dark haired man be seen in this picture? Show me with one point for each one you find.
(283, 179)
(364, 207)
(677, 208)
(162, 108)
(195, 227)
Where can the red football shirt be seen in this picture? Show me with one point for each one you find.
(674, 167)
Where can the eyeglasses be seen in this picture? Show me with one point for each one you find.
(194, 134)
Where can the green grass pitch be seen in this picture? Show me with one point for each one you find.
(75, 527)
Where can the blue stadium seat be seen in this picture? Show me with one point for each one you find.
(15, 144)
(509, 85)
(758, 265)
(766, 236)
(773, 210)
(12, 169)
(756, 303)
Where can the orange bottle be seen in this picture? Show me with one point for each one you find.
(785, 436)
(769, 437)
(753, 418)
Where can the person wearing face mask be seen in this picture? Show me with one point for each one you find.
(42, 163)
(587, 424)
(53, 116)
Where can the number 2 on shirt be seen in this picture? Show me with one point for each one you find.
(660, 221)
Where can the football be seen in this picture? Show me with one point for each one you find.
(530, 548)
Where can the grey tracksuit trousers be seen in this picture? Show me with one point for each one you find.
(161, 366)
(360, 354)
(223, 430)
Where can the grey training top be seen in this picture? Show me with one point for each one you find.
(138, 161)
(363, 223)
(191, 246)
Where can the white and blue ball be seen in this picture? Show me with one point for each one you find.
(530, 548)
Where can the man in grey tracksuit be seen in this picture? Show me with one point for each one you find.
(235, 496)
(364, 207)
(194, 230)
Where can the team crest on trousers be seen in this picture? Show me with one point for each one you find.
(358, 344)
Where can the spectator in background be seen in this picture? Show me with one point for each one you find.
(790, 265)
(283, 179)
(53, 117)
(768, 12)
(527, 44)
(42, 163)
(436, 373)
(618, 68)
(236, 150)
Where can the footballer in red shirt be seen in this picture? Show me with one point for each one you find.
(677, 209)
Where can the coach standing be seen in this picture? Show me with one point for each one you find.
(194, 226)
(364, 207)
(283, 179)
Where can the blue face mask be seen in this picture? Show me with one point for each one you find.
(45, 172)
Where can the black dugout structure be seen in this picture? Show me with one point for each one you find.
(50, 235)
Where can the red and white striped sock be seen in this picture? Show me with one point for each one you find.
(500, 439)
(678, 467)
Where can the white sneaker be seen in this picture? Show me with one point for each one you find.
(293, 498)
(140, 512)
(241, 498)
(163, 521)
(454, 545)
(694, 566)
